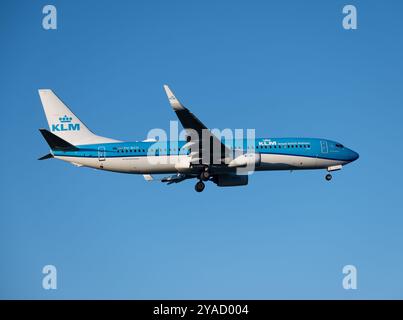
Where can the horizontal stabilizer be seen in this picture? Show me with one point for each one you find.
(57, 143)
(48, 156)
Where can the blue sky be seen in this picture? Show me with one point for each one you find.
(285, 68)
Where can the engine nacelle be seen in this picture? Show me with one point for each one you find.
(246, 160)
(231, 180)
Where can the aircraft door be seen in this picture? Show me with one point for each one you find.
(101, 153)
(323, 147)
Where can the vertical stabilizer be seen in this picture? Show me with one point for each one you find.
(64, 123)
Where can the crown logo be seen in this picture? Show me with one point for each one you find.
(65, 119)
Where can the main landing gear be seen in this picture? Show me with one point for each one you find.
(199, 187)
(328, 177)
(204, 176)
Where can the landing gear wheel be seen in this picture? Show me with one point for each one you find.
(328, 177)
(205, 175)
(199, 187)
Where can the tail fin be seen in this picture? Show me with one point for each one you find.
(65, 124)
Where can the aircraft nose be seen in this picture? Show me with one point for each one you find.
(354, 155)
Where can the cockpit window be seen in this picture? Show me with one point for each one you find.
(338, 145)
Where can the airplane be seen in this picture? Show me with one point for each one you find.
(193, 158)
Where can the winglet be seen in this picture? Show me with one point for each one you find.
(175, 103)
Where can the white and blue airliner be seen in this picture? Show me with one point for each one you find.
(197, 156)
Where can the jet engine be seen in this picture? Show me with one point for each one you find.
(231, 180)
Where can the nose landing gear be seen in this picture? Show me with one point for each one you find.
(328, 177)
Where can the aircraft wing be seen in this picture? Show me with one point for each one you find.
(204, 138)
